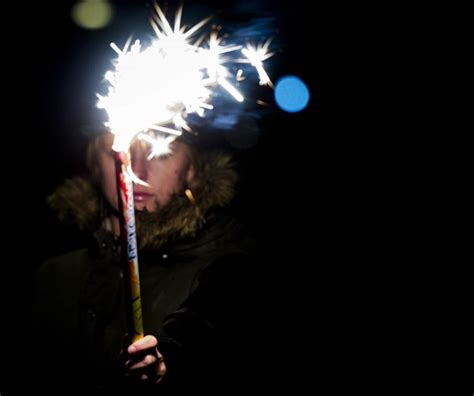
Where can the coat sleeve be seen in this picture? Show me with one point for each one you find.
(206, 342)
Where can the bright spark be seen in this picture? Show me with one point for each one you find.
(256, 56)
(160, 145)
(157, 87)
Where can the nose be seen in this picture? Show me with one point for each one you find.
(139, 160)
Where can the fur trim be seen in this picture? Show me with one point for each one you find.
(78, 201)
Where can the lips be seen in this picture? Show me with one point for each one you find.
(141, 196)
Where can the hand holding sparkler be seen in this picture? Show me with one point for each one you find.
(145, 360)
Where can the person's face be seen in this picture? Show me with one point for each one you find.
(165, 175)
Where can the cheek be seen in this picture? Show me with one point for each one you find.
(177, 180)
(167, 184)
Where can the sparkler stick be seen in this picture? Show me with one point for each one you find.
(151, 88)
(128, 243)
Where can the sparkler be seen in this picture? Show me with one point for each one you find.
(128, 242)
(256, 56)
(154, 89)
(157, 87)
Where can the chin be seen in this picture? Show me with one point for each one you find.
(140, 207)
(145, 208)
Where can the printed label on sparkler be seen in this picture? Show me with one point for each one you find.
(132, 240)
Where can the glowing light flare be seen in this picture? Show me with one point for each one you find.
(239, 76)
(92, 14)
(160, 145)
(291, 94)
(157, 87)
(230, 88)
(256, 56)
(134, 178)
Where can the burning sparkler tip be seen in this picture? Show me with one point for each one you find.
(173, 77)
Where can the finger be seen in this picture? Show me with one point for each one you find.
(144, 343)
(161, 371)
(147, 361)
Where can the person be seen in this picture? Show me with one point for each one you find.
(195, 262)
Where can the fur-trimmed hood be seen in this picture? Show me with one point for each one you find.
(79, 201)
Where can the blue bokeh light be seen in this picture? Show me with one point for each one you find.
(291, 94)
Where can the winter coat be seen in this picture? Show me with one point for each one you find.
(198, 297)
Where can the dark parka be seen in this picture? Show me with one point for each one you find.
(197, 297)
